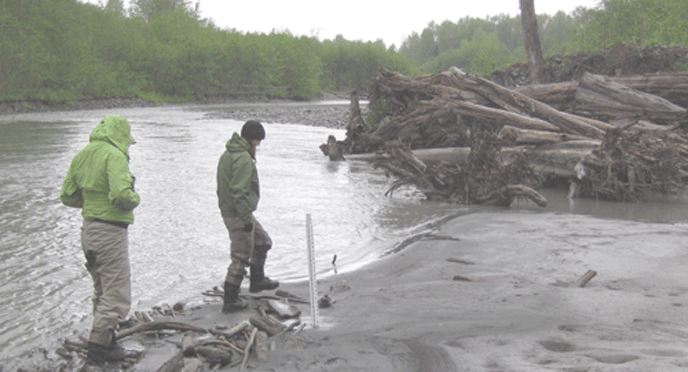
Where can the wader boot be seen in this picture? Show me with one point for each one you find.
(98, 354)
(260, 282)
(232, 301)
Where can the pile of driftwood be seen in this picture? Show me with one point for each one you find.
(212, 348)
(467, 139)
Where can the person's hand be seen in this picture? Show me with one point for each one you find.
(248, 227)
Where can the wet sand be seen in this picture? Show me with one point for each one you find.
(514, 307)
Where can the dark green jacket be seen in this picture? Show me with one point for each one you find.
(98, 179)
(238, 190)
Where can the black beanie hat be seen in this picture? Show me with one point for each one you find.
(253, 130)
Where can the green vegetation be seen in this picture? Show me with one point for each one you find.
(161, 50)
(62, 50)
(481, 46)
(636, 22)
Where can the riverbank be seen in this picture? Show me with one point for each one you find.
(328, 110)
(29, 106)
(492, 291)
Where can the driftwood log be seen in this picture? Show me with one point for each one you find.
(261, 346)
(247, 350)
(672, 87)
(519, 136)
(159, 326)
(188, 346)
(233, 331)
(585, 278)
(216, 349)
(267, 325)
(599, 96)
(332, 148)
(512, 101)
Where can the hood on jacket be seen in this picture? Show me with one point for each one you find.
(238, 144)
(116, 130)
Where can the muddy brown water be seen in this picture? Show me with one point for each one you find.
(178, 244)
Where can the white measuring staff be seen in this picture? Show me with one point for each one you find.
(313, 284)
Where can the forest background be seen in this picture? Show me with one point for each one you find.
(163, 51)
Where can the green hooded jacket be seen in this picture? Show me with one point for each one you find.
(238, 190)
(98, 179)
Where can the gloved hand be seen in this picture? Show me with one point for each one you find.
(248, 227)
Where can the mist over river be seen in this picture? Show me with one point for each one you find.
(178, 244)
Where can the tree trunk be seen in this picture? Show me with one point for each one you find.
(536, 64)
(514, 102)
(518, 136)
(556, 161)
(598, 96)
(673, 87)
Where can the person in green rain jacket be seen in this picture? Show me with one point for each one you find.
(238, 192)
(99, 183)
(98, 180)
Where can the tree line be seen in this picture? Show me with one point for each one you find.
(482, 46)
(162, 50)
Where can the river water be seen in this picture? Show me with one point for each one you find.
(178, 243)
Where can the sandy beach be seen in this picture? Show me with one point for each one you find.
(517, 312)
(498, 292)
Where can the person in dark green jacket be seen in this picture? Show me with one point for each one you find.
(238, 192)
(99, 183)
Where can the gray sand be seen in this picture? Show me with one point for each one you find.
(516, 309)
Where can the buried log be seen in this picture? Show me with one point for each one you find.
(507, 194)
(214, 354)
(463, 278)
(188, 346)
(460, 260)
(586, 278)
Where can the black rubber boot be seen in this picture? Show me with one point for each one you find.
(231, 298)
(260, 282)
(99, 354)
